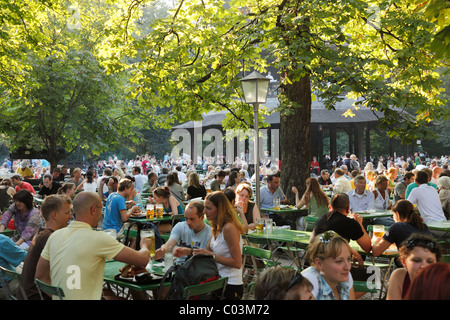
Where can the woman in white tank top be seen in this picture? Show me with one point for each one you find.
(225, 244)
(89, 183)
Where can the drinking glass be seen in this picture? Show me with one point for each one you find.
(276, 203)
(168, 260)
(378, 230)
(150, 211)
(269, 225)
(260, 225)
(150, 233)
(159, 210)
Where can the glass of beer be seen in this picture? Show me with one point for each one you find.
(150, 211)
(260, 225)
(269, 225)
(378, 230)
(168, 260)
(159, 210)
(149, 233)
(276, 203)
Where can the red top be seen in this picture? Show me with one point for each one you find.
(26, 186)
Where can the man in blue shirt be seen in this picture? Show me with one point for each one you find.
(187, 235)
(10, 257)
(116, 212)
(272, 190)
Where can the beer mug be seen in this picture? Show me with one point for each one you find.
(269, 225)
(159, 210)
(168, 260)
(150, 211)
(378, 230)
(276, 203)
(149, 233)
(260, 225)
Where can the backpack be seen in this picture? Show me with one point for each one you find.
(197, 269)
(353, 166)
(140, 226)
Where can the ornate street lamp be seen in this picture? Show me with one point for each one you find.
(255, 87)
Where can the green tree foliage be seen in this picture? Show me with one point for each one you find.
(377, 52)
(438, 11)
(58, 95)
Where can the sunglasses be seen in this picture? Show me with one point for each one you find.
(425, 243)
(327, 236)
(297, 278)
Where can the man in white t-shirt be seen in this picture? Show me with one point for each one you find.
(187, 235)
(181, 175)
(139, 178)
(341, 184)
(427, 199)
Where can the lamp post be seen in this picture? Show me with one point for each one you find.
(255, 87)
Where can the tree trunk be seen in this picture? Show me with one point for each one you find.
(296, 138)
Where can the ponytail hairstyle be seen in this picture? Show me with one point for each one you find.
(405, 210)
(65, 187)
(162, 192)
(90, 176)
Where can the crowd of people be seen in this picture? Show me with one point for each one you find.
(47, 240)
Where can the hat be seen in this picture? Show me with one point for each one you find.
(23, 164)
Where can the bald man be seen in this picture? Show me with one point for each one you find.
(74, 257)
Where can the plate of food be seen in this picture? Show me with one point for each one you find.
(132, 273)
(139, 214)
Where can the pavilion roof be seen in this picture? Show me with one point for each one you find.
(319, 114)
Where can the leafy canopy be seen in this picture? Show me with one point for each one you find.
(377, 52)
(58, 95)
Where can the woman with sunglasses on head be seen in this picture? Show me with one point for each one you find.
(431, 283)
(282, 284)
(330, 258)
(417, 252)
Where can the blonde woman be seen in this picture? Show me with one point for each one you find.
(195, 189)
(118, 173)
(381, 168)
(391, 174)
(225, 244)
(367, 168)
(381, 193)
(248, 210)
(444, 194)
(370, 179)
(330, 258)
